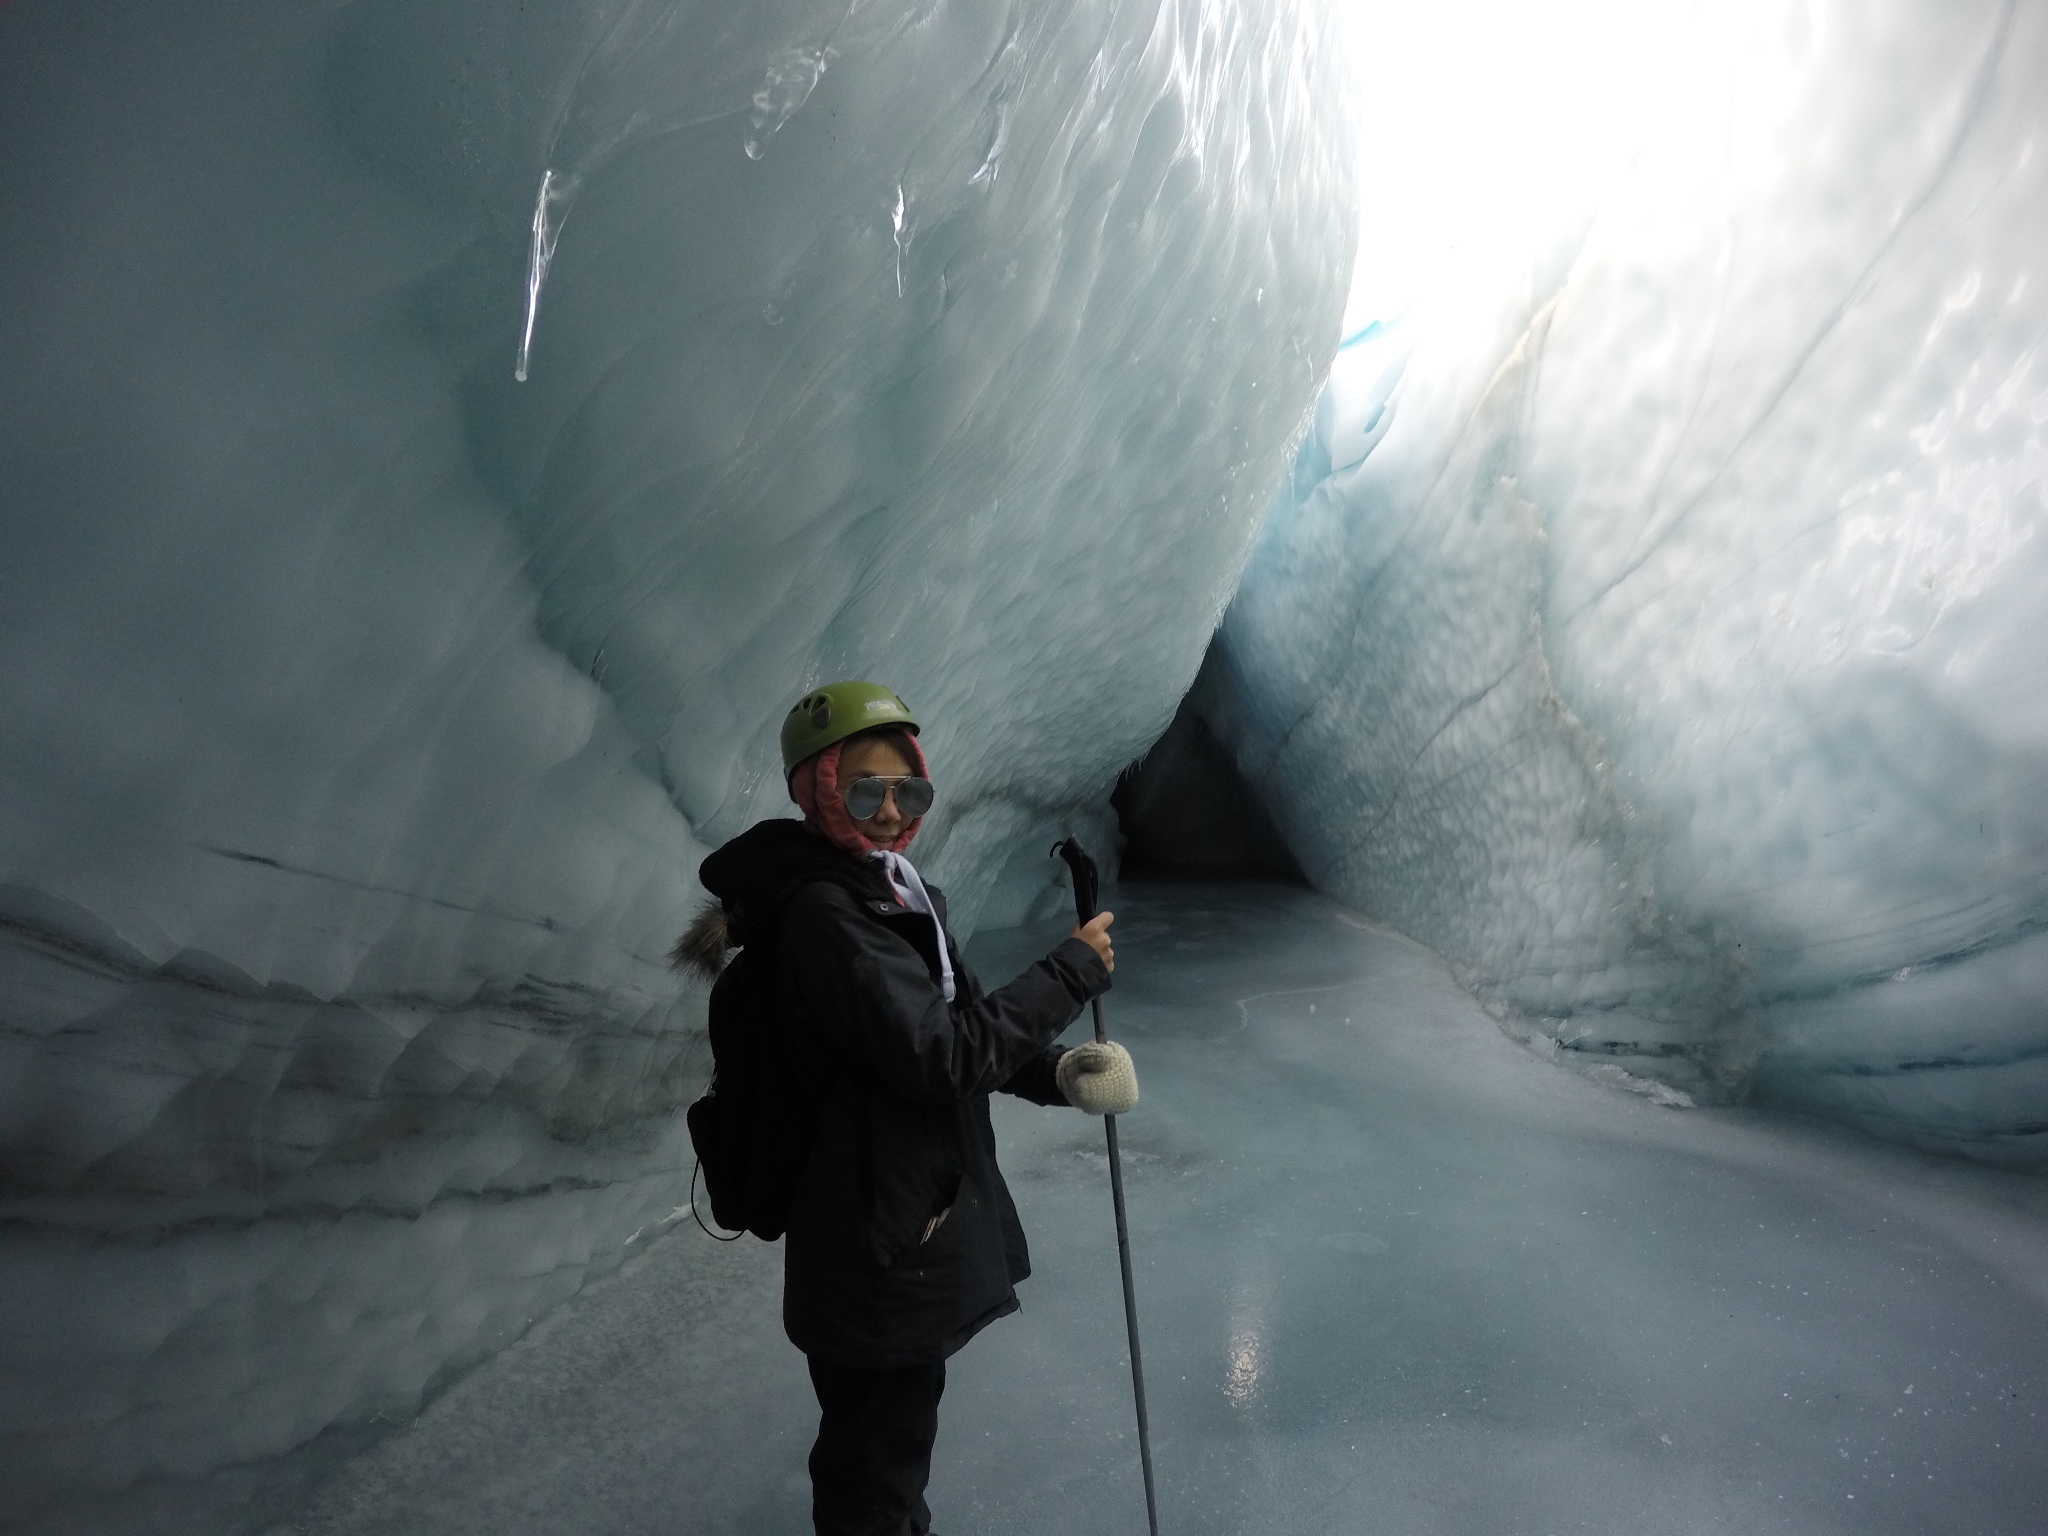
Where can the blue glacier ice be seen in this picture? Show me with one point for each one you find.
(437, 439)
(1654, 622)
(367, 709)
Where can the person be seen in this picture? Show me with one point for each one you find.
(903, 1242)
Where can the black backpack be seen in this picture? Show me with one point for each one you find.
(752, 1127)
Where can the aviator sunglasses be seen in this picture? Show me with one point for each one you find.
(864, 797)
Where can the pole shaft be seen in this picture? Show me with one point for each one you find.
(1123, 1254)
(1083, 869)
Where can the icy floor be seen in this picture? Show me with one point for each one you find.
(1396, 1275)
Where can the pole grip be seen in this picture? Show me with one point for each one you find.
(1086, 883)
(1086, 888)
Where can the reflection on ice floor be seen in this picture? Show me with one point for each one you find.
(1395, 1273)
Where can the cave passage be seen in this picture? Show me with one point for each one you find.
(1396, 1273)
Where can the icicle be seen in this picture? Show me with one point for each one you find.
(792, 75)
(545, 234)
(896, 217)
(991, 163)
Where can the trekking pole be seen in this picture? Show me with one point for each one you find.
(1083, 869)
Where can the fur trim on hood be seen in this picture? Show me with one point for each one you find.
(704, 945)
(748, 879)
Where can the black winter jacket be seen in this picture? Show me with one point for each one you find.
(903, 1241)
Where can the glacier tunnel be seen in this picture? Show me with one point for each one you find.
(1520, 526)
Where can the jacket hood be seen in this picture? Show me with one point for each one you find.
(755, 870)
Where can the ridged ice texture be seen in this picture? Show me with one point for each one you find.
(366, 711)
(1674, 659)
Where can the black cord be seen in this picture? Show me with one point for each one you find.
(715, 1237)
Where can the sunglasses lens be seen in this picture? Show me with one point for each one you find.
(864, 797)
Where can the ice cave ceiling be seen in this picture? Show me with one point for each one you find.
(1650, 615)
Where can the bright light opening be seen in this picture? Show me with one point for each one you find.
(1491, 130)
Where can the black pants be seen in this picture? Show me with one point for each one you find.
(874, 1450)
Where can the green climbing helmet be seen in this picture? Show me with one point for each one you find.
(835, 712)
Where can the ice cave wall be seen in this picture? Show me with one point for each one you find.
(1657, 627)
(365, 711)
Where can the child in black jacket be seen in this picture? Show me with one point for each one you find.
(903, 1242)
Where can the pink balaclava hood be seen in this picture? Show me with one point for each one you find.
(814, 786)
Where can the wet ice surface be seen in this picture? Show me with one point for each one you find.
(1396, 1274)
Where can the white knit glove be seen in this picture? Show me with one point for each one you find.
(1098, 1078)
